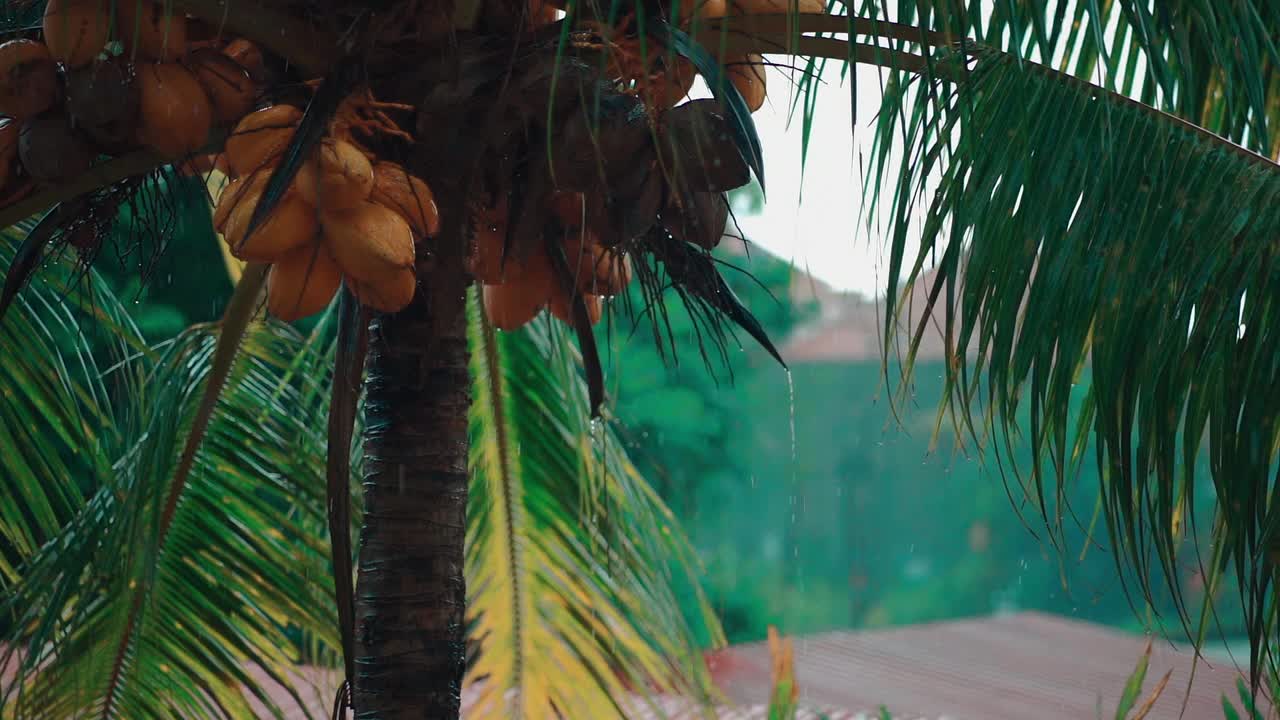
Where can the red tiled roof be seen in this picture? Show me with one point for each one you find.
(1028, 666)
(850, 327)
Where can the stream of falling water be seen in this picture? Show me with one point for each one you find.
(795, 480)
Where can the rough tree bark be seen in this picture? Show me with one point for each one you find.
(410, 592)
(410, 652)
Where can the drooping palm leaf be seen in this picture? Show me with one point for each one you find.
(1075, 229)
(1213, 63)
(55, 430)
(568, 549)
(348, 375)
(123, 620)
(244, 557)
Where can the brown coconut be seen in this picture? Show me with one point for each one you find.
(777, 7)
(485, 256)
(370, 242)
(228, 85)
(290, 225)
(597, 270)
(28, 79)
(302, 282)
(9, 130)
(175, 116)
(76, 30)
(51, 150)
(670, 86)
(568, 208)
(392, 295)
(17, 189)
(103, 100)
(248, 56)
(261, 137)
(408, 195)
(338, 177)
(150, 31)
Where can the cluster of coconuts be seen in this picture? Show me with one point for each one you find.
(111, 76)
(663, 85)
(346, 215)
(515, 290)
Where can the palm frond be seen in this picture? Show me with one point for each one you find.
(56, 432)
(568, 550)
(1072, 229)
(1213, 63)
(123, 619)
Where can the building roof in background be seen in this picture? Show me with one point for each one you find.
(1028, 666)
(849, 326)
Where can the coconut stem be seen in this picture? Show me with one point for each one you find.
(98, 176)
(293, 39)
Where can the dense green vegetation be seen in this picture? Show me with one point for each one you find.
(859, 519)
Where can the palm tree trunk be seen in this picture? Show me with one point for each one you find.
(410, 591)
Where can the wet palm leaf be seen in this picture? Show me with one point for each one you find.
(1081, 230)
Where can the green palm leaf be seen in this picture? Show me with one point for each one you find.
(126, 617)
(55, 430)
(568, 549)
(123, 615)
(1073, 229)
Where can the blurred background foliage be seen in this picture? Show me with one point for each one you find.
(812, 506)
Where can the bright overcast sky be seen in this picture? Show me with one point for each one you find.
(816, 222)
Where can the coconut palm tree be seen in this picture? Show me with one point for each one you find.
(567, 546)
(1091, 183)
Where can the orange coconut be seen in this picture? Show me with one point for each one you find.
(392, 295)
(408, 195)
(337, 177)
(175, 116)
(561, 306)
(228, 85)
(517, 301)
(28, 79)
(302, 282)
(261, 137)
(777, 7)
(76, 30)
(746, 72)
(712, 8)
(150, 30)
(232, 195)
(370, 242)
(290, 225)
